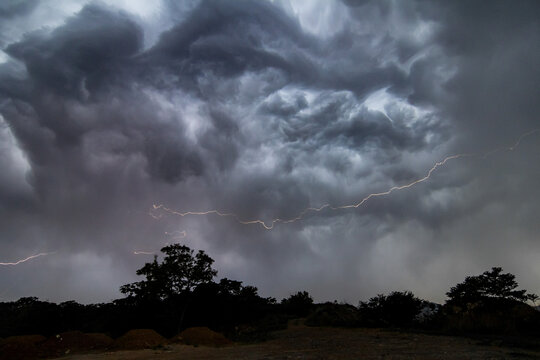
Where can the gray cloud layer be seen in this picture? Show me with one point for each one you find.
(264, 109)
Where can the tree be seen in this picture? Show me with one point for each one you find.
(490, 286)
(299, 304)
(173, 280)
(396, 309)
(178, 274)
(490, 302)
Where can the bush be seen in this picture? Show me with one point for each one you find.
(399, 309)
(332, 314)
(491, 317)
(490, 303)
(299, 304)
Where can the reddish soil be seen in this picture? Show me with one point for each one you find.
(301, 342)
(139, 339)
(21, 347)
(75, 341)
(203, 336)
(37, 346)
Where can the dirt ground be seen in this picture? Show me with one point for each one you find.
(301, 342)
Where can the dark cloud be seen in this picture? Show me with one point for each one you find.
(264, 110)
(15, 8)
(89, 48)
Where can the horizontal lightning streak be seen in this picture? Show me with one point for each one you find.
(176, 234)
(310, 209)
(301, 215)
(25, 259)
(143, 253)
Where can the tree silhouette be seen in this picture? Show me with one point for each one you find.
(299, 304)
(178, 274)
(396, 309)
(173, 280)
(490, 303)
(491, 286)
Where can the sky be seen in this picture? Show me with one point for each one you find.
(118, 116)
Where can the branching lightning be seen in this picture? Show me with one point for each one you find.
(154, 211)
(25, 259)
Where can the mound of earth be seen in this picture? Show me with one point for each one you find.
(21, 347)
(99, 340)
(139, 339)
(71, 341)
(203, 336)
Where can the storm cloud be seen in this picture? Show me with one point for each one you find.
(264, 109)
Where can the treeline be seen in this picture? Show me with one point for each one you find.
(180, 292)
(226, 306)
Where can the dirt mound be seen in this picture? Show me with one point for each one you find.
(203, 336)
(139, 339)
(99, 340)
(21, 347)
(77, 341)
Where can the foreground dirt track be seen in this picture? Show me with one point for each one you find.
(329, 343)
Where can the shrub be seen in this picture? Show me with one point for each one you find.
(398, 309)
(299, 304)
(333, 314)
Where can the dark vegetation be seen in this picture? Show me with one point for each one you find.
(490, 303)
(180, 292)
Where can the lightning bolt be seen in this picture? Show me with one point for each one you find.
(523, 136)
(155, 216)
(143, 252)
(26, 259)
(155, 208)
(301, 215)
(176, 234)
(153, 212)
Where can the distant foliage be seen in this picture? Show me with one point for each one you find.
(299, 304)
(334, 314)
(398, 309)
(490, 303)
(490, 286)
(180, 292)
(30, 315)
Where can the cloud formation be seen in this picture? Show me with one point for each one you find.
(264, 109)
